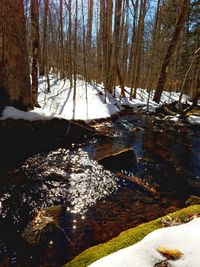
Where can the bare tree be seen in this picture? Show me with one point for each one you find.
(170, 50)
(62, 52)
(89, 39)
(114, 68)
(138, 49)
(75, 49)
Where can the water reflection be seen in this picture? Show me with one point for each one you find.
(44, 180)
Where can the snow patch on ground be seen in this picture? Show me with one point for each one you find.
(37, 114)
(89, 101)
(183, 237)
(89, 104)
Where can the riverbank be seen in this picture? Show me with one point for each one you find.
(90, 103)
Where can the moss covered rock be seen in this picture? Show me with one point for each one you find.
(128, 238)
(45, 220)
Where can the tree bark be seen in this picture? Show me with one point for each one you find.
(44, 41)
(14, 65)
(35, 49)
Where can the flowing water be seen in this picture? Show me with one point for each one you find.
(96, 203)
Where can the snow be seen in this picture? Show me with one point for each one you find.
(36, 114)
(89, 104)
(86, 107)
(184, 237)
(195, 120)
(171, 118)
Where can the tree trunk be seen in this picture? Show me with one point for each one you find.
(62, 54)
(44, 41)
(115, 46)
(132, 57)
(84, 51)
(140, 31)
(75, 49)
(183, 85)
(170, 50)
(35, 49)
(89, 39)
(70, 70)
(14, 65)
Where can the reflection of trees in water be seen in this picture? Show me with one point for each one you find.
(170, 159)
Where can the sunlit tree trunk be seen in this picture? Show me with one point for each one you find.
(138, 49)
(114, 68)
(70, 69)
(62, 52)
(84, 51)
(75, 49)
(89, 40)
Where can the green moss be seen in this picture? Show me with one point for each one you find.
(128, 238)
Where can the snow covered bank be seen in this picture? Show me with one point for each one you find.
(136, 234)
(37, 114)
(184, 237)
(89, 102)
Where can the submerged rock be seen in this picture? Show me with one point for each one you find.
(46, 220)
(118, 161)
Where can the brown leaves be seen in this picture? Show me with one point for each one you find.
(170, 254)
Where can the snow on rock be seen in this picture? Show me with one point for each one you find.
(195, 120)
(184, 238)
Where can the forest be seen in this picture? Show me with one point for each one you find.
(99, 133)
(139, 44)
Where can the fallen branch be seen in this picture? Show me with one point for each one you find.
(137, 181)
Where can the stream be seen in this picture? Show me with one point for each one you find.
(97, 204)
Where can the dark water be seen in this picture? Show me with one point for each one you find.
(97, 205)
